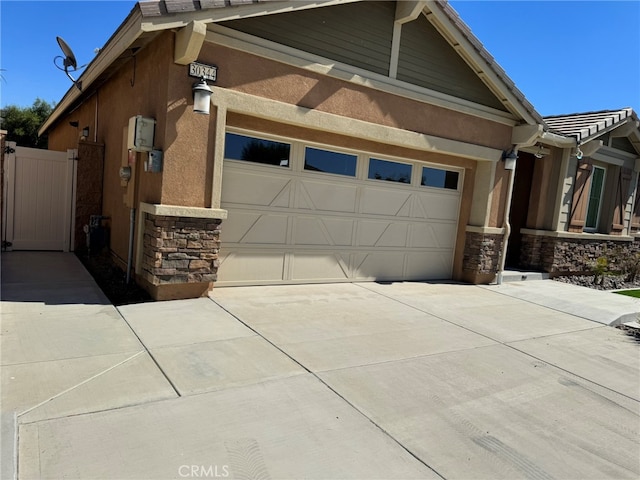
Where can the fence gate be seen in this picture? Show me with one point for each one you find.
(38, 204)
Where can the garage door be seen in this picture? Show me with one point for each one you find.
(301, 213)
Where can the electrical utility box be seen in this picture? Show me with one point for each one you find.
(141, 133)
(153, 164)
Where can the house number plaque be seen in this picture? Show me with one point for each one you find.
(200, 70)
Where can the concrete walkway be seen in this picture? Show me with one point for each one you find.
(402, 380)
(599, 306)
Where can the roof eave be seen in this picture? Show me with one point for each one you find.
(119, 42)
(179, 19)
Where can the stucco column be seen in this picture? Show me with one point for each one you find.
(187, 166)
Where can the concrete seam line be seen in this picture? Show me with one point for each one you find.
(428, 313)
(550, 308)
(15, 445)
(329, 387)
(508, 345)
(81, 383)
(164, 374)
(578, 376)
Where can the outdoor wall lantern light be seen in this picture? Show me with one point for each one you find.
(85, 132)
(510, 158)
(201, 97)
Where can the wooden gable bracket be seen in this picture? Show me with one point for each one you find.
(526, 135)
(189, 40)
(408, 11)
(626, 129)
(589, 148)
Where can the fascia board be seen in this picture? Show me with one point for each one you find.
(214, 15)
(556, 140)
(116, 45)
(224, 36)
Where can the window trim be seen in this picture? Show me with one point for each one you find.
(600, 198)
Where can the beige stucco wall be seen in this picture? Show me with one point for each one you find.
(269, 79)
(64, 136)
(499, 197)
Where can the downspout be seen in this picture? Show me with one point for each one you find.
(95, 120)
(510, 160)
(132, 223)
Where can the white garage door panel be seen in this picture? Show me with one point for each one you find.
(320, 266)
(385, 201)
(322, 231)
(324, 196)
(437, 207)
(433, 235)
(382, 234)
(243, 187)
(246, 267)
(437, 265)
(288, 225)
(379, 266)
(256, 228)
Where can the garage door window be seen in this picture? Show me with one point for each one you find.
(389, 171)
(438, 178)
(326, 161)
(256, 150)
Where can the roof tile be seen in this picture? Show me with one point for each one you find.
(583, 126)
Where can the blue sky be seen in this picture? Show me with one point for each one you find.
(566, 57)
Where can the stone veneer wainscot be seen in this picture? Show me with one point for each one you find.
(179, 245)
(565, 253)
(482, 249)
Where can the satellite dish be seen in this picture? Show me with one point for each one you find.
(70, 58)
(69, 61)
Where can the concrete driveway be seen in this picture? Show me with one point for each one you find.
(402, 380)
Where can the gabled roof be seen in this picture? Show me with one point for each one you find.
(164, 7)
(587, 126)
(150, 17)
(488, 58)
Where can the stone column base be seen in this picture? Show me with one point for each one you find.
(482, 251)
(178, 255)
(175, 291)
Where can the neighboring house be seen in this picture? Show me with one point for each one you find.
(580, 203)
(347, 141)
